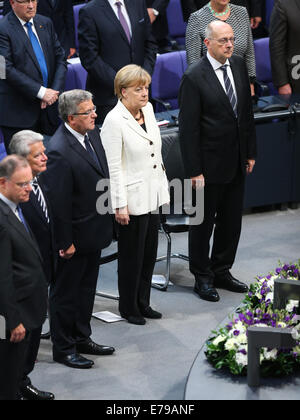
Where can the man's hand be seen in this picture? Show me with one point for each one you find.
(72, 52)
(67, 254)
(255, 21)
(152, 16)
(122, 216)
(198, 182)
(285, 89)
(250, 165)
(50, 96)
(18, 334)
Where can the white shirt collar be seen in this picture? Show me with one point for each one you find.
(215, 63)
(78, 136)
(23, 21)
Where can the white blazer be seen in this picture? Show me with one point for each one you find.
(137, 174)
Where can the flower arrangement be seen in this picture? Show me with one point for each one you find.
(227, 348)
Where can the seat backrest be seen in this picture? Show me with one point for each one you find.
(76, 75)
(76, 9)
(166, 78)
(2, 151)
(176, 24)
(263, 63)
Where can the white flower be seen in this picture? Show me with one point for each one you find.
(219, 340)
(291, 305)
(231, 344)
(242, 339)
(241, 359)
(281, 325)
(270, 296)
(269, 355)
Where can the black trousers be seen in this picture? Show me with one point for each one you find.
(137, 246)
(71, 302)
(223, 206)
(12, 362)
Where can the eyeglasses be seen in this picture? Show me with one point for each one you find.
(224, 41)
(26, 1)
(88, 112)
(22, 185)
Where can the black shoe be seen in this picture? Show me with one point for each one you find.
(206, 292)
(151, 313)
(30, 392)
(75, 361)
(137, 320)
(94, 349)
(228, 282)
(46, 336)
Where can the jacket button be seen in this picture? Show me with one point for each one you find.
(154, 167)
(151, 143)
(152, 155)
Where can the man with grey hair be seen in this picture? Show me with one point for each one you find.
(76, 163)
(36, 210)
(23, 288)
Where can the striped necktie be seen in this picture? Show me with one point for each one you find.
(229, 89)
(40, 198)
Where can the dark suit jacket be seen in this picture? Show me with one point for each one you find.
(104, 48)
(19, 106)
(284, 42)
(70, 183)
(23, 289)
(254, 7)
(43, 231)
(213, 141)
(62, 17)
(160, 25)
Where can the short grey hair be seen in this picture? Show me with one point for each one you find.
(21, 142)
(10, 164)
(69, 101)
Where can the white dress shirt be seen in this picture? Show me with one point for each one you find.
(216, 65)
(42, 91)
(124, 11)
(77, 135)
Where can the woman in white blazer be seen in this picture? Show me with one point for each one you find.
(139, 186)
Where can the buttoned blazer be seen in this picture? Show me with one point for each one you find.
(213, 141)
(61, 14)
(19, 105)
(137, 173)
(70, 183)
(104, 48)
(23, 287)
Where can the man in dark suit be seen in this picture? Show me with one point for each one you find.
(35, 71)
(36, 211)
(284, 46)
(158, 18)
(111, 35)
(61, 14)
(217, 136)
(23, 289)
(76, 163)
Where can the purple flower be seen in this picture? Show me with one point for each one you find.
(236, 333)
(243, 351)
(278, 270)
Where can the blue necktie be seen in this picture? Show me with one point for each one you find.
(229, 89)
(91, 151)
(21, 216)
(38, 53)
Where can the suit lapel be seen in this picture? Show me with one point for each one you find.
(19, 227)
(110, 14)
(74, 143)
(22, 35)
(238, 84)
(216, 86)
(133, 124)
(97, 145)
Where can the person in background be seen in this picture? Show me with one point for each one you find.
(157, 10)
(218, 143)
(284, 46)
(61, 14)
(35, 71)
(111, 35)
(237, 17)
(23, 287)
(132, 142)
